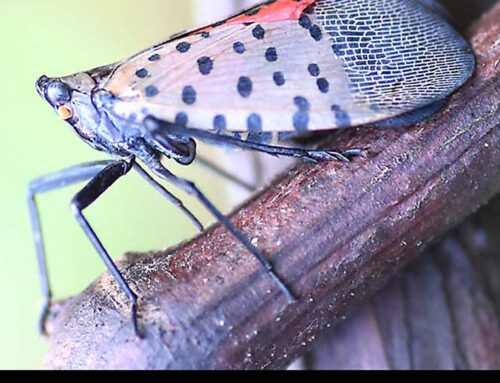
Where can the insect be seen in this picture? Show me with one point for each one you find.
(285, 67)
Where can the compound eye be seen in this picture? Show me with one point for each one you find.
(58, 93)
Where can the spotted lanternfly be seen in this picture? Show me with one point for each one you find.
(283, 67)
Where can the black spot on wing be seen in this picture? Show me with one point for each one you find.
(205, 65)
(183, 47)
(316, 33)
(142, 73)
(220, 123)
(181, 119)
(154, 57)
(342, 118)
(323, 85)
(258, 32)
(301, 118)
(151, 91)
(279, 78)
(301, 103)
(254, 123)
(245, 86)
(239, 47)
(189, 95)
(305, 22)
(271, 54)
(314, 70)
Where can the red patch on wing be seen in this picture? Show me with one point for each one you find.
(279, 10)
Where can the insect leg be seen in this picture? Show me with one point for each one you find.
(46, 184)
(177, 202)
(190, 188)
(86, 197)
(225, 174)
(159, 128)
(278, 151)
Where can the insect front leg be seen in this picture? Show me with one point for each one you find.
(190, 188)
(46, 184)
(86, 197)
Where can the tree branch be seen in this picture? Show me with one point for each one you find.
(336, 234)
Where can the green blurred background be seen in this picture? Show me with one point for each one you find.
(60, 37)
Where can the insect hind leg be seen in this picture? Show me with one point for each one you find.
(159, 129)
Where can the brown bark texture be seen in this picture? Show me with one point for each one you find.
(336, 234)
(442, 312)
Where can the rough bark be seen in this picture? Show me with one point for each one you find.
(336, 234)
(443, 312)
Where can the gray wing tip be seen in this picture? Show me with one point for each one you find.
(470, 63)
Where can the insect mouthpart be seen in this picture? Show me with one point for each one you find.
(58, 94)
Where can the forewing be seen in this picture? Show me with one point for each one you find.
(337, 64)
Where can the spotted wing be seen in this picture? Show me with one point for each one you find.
(337, 63)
